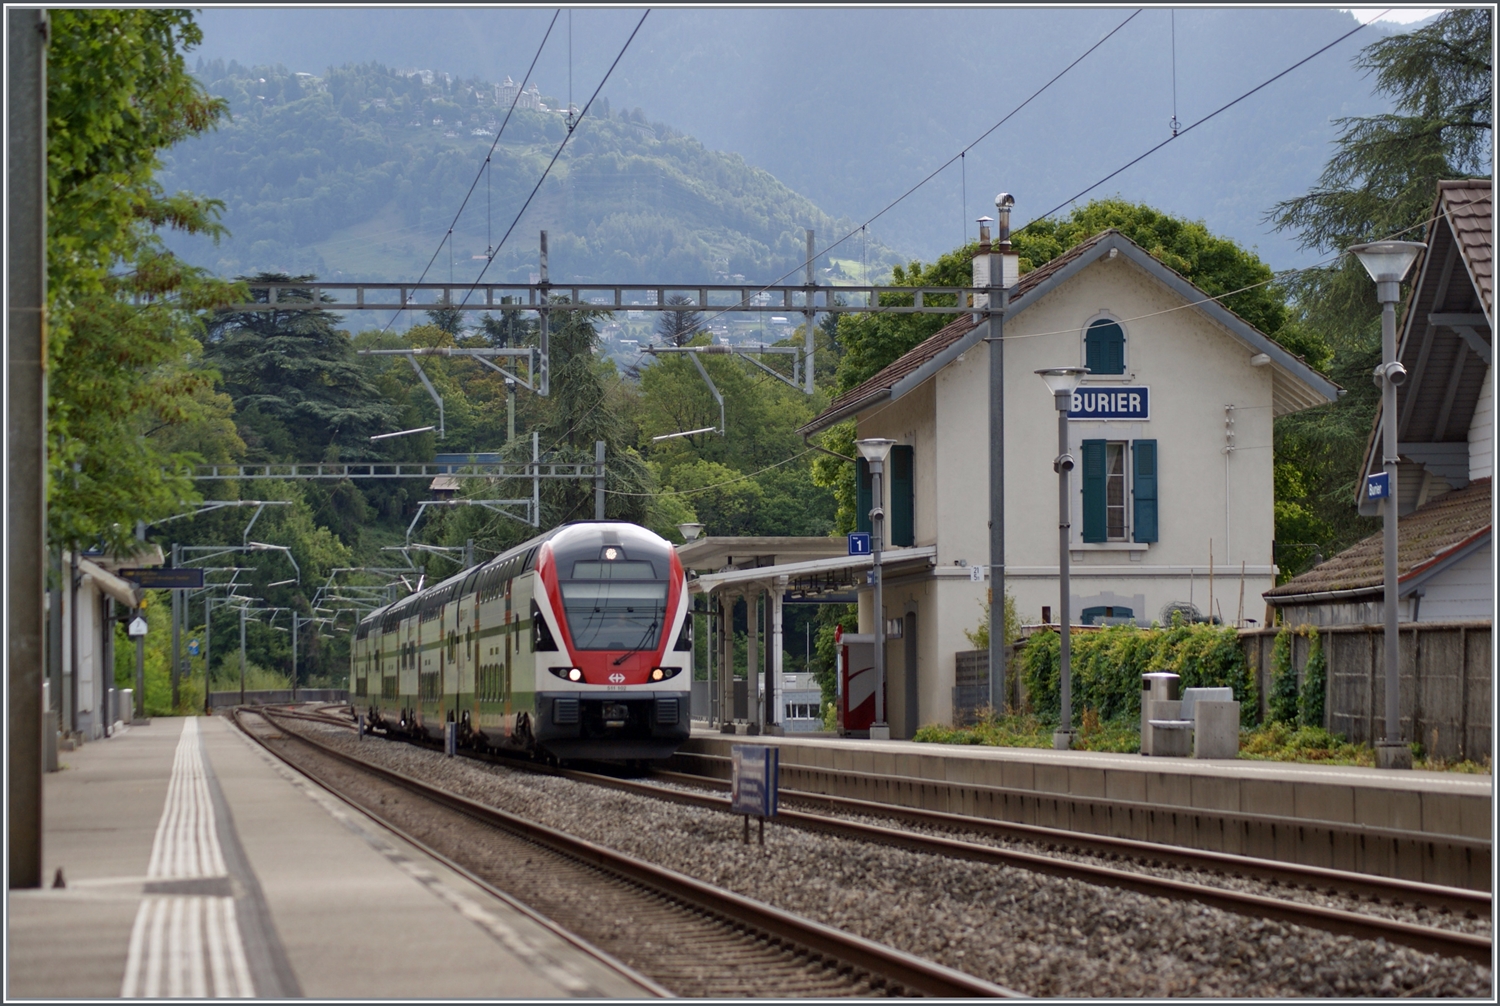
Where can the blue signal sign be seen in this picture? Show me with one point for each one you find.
(859, 543)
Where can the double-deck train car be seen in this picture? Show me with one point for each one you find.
(577, 643)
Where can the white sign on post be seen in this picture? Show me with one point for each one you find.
(137, 627)
(976, 574)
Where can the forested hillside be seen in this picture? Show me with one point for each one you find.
(358, 175)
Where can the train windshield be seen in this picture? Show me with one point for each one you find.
(615, 614)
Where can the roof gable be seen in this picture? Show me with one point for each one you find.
(1429, 537)
(1297, 385)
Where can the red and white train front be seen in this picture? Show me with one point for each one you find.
(614, 644)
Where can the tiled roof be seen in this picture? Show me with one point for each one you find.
(1424, 537)
(1469, 205)
(950, 333)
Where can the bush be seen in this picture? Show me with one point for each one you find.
(1108, 664)
(1314, 682)
(1282, 704)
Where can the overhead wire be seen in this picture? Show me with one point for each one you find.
(949, 162)
(448, 237)
(572, 128)
(1177, 135)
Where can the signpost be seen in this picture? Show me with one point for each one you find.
(181, 578)
(859, 543)
(754, 780)
(137, 631)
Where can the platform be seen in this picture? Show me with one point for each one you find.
(197, 865)
(1443, 803)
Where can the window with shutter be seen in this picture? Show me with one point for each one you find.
(1095, 526)
(1145, 490)
(1104, 348)
(902, 523)
(863, 495)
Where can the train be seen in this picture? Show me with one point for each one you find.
(575, 645)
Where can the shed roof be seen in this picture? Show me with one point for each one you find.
(1297, 386)
(1432, 534)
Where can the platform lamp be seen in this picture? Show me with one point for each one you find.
(875, 450)
(690, 532)
(1062, 382)
(1388, 262)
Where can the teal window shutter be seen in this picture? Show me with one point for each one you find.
(1104, 348)
(1094, 515)
(903, 524)
(1145, 490)
(864, 493)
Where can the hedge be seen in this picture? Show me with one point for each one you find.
(1107, 665)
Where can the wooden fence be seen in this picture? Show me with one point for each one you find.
(1445, 673)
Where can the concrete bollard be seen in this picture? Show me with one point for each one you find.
(1216, 729)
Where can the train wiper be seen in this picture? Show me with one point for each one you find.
(645, 637)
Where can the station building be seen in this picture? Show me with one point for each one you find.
(1171, 502)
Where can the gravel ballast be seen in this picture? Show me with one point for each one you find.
(1046, 936)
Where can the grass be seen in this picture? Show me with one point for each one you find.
(1269, 742)
(257, 678)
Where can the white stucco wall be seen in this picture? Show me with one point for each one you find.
(1213, 506)
(1465, 589)
(1481, 430)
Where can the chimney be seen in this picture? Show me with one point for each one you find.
(1010, 263)
(982, 267)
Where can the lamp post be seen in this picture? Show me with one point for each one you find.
(875, 450)
(1388, 262)
(1062, 381)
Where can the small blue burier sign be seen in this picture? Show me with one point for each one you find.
(755, 777)
(1378, 487)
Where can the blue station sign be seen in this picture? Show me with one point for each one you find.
(1131, 402)
(1378, 486)
(754, 779)
(859, 543)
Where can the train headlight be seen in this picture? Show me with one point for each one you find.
(663, 673)
(568, 673)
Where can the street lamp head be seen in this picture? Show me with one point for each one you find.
(1062, 382)
(875, 449)
(690, 532)
(1388, 261)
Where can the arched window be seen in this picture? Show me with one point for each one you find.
(1104, 348)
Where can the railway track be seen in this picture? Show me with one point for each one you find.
(1143, 856)
(689, 937)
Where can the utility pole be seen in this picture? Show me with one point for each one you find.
(178, 604)
(807, 334)
(208, 649)
(996, 304)
(26, 424)
(242, 656)
(598, 480)
(543, 379)
(295, 620)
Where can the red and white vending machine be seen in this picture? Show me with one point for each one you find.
(856, 682)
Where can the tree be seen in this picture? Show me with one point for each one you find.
(123, 313)
(1380, 183)
(675, 328)
(294, 380)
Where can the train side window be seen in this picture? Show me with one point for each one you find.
(541, 635)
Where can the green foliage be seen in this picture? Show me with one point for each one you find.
(295, 382)
(1107, 665)
(1380, 183)
(1281, 705)
(1283, 740)
(1311, 699)
(1027, 730)
(122, 313)
(1215, 265)
(980, 637)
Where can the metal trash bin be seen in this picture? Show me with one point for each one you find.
(1163, 733)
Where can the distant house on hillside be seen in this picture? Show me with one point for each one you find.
(1445, 439)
